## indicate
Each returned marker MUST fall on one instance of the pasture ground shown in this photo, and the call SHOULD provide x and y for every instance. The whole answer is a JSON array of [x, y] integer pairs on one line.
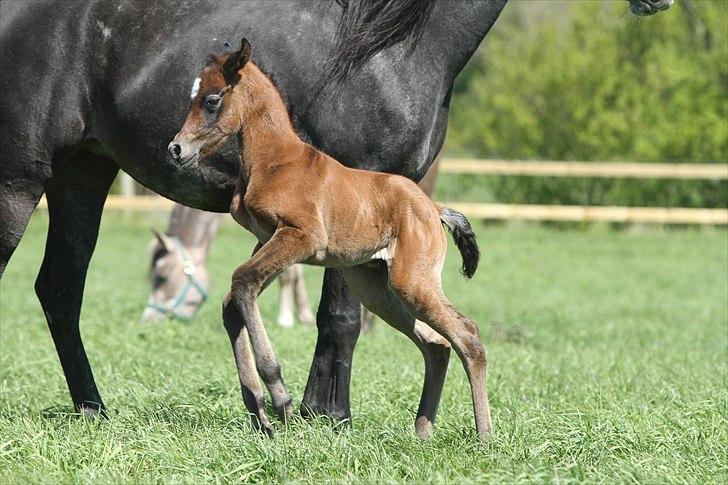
[[607, 350]]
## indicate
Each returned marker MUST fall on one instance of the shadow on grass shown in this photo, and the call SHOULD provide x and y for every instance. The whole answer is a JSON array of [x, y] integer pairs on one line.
[[514, 334]]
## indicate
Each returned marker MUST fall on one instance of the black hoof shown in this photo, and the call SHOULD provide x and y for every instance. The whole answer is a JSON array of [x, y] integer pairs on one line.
[[331, 411]]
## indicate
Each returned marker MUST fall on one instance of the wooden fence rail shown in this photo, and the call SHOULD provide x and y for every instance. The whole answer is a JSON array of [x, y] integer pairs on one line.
[[533, 212], [704, 171]]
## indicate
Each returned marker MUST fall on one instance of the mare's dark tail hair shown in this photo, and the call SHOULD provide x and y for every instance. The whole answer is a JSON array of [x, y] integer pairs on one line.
[[369, 26], [464, 237]]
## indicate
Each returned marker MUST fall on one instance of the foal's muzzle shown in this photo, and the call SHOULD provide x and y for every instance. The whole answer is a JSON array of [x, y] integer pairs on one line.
[[175, 150], [182, 152]]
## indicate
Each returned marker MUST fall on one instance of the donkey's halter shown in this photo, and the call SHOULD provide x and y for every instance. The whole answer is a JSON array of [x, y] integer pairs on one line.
[[189, 268]]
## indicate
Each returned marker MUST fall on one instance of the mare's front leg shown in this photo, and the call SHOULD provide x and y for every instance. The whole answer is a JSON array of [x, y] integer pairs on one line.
[[339, 321], [286, 247], [76, 196]]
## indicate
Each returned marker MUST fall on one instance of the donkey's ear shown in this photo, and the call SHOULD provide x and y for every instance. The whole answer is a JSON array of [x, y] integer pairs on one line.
[[235, 62], [164, 240]]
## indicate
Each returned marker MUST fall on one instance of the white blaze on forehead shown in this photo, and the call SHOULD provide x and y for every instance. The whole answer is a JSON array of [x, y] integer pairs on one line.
[[195, 88]]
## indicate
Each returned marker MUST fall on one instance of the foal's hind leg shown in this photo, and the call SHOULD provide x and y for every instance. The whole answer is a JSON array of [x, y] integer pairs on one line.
[[369, 283], [421, 293]]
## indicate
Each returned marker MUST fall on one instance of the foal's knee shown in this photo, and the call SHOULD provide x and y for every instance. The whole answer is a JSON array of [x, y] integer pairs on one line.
[[246, 283]]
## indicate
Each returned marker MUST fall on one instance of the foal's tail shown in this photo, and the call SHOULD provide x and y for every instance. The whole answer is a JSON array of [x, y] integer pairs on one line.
[[464, 237]]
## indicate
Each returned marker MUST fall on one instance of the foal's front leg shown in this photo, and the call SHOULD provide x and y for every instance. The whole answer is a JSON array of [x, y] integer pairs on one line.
[[249, 383], [286, 247]]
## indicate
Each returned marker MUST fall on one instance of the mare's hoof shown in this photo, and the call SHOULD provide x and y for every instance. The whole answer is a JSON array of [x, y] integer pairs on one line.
[[424, 428], [332, 412], [92, 411]]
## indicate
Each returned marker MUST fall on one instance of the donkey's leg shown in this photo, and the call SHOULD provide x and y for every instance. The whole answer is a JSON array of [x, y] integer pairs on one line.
[[422, 297], [285, 302], [300, 295], [286, 247], [249, 383], [338, 321], [76, 196], [369, 282]]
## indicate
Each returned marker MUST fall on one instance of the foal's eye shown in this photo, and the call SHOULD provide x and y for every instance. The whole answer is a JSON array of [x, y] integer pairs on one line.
[[211, 103]]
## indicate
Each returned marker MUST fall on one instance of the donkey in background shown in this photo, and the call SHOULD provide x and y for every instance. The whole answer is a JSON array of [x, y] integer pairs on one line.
[[305, 207], [179, 277]]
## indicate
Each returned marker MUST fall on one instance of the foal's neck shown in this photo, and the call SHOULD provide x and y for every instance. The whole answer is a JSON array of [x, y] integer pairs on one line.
[[266, 133]]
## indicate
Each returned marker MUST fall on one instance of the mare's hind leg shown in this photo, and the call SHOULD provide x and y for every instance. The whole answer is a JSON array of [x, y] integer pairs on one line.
[[369, 283], [414, 277], [76, 196], [338, 322]]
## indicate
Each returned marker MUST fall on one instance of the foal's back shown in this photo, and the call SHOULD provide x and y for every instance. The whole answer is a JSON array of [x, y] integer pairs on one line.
[[363, 208]]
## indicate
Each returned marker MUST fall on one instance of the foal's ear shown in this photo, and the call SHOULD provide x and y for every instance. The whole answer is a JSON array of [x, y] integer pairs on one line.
[[235, 62]]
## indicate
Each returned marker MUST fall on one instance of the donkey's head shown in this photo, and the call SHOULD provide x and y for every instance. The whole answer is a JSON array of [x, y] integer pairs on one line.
[[179, 281], [649, 7], [211, 121]]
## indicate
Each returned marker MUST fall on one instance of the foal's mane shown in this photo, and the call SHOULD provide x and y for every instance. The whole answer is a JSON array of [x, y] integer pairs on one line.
[[367, 27]]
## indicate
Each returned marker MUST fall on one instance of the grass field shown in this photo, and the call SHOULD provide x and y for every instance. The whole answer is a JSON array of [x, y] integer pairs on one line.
[[607, 350]]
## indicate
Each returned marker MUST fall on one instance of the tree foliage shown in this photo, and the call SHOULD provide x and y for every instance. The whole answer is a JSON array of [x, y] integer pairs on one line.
[[588, 81]]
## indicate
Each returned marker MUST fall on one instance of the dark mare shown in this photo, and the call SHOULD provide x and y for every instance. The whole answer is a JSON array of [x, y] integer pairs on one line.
[[92, 86]]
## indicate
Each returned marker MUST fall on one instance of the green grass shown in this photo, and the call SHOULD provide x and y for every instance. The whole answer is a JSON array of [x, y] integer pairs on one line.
[[607, 356]]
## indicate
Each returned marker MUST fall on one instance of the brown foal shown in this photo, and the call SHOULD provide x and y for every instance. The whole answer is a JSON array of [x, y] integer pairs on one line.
[[305, 207]]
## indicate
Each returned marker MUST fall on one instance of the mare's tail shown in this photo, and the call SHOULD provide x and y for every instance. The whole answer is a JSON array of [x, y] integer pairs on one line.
[[464, 237]]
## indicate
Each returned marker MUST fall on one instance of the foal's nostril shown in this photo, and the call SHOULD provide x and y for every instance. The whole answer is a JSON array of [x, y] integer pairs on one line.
[[175, 150]]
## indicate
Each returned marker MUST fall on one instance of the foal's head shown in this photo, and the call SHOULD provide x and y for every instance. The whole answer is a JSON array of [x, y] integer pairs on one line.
[[212, 119]]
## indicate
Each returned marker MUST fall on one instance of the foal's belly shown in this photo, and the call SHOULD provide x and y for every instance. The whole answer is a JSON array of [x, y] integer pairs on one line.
[[339, 260]]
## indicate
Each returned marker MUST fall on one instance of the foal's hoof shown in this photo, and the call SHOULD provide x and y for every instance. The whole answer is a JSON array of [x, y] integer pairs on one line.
[[263, 426], [284, 410]]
